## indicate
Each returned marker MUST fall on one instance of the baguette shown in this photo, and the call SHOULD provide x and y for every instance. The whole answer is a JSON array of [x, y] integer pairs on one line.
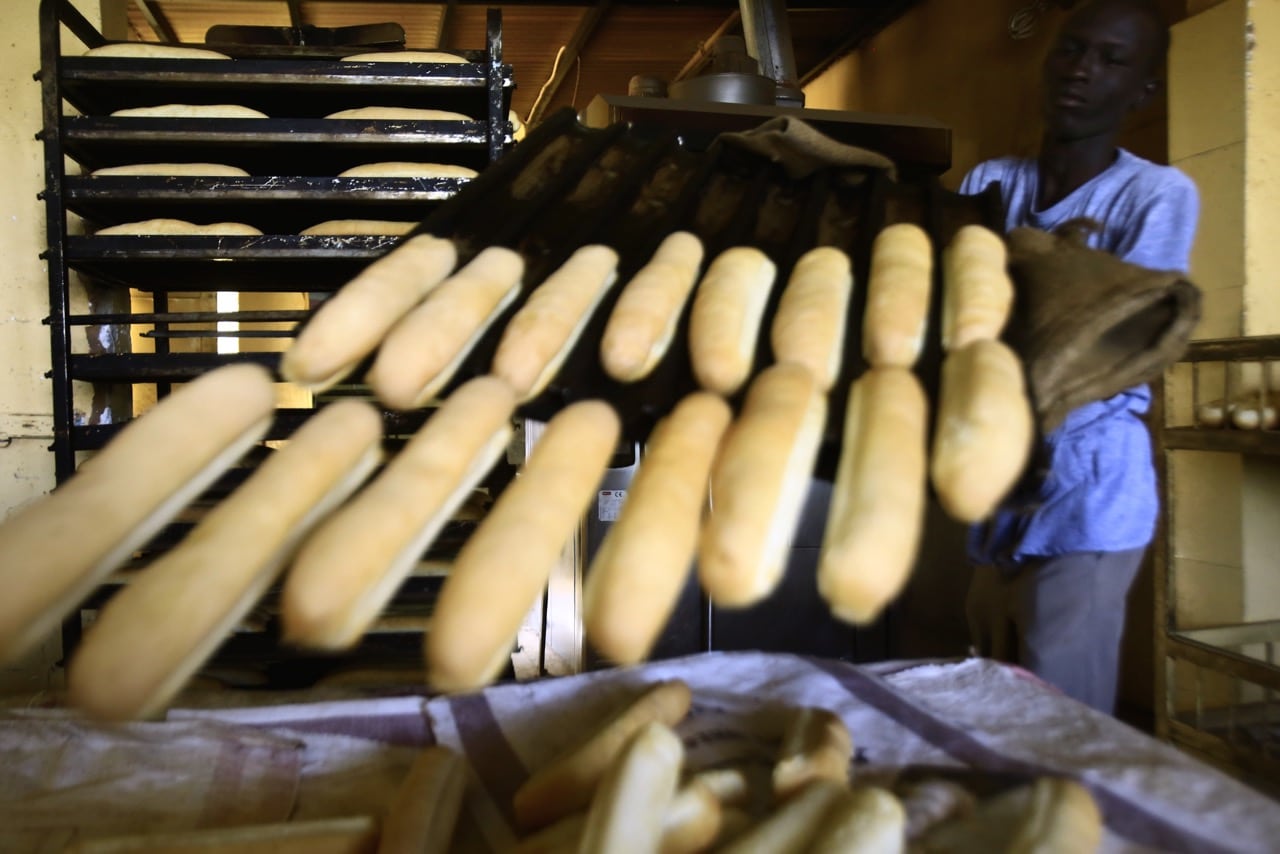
[[191, 111], [178, 228], [505, 565], [354, 835], [692, 821], [564, 835], [350, 324], [725, 320], [730, 786], [868, 820], [156, 632], [877, 505], [638, 573], [545, 329], [758, 486], [898, 286], [792, 826], [1062, 818], [977, 293], [169, 169], [629, 808], [984, 429], [644, 319], [815, 745], [50, 559], [351, 227], [566, 785], [147, 50], [809, 325], [425, 811], [424, 350], [348, 570]]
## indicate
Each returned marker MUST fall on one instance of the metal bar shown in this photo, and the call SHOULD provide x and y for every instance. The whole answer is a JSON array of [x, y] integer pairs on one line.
[[444, 33], [77, 23], [279, 316], [1227, 349], [297, 18], [496, 125], [1161, 557], [220, 333], [581, 36], [157, 21], [703, 53]]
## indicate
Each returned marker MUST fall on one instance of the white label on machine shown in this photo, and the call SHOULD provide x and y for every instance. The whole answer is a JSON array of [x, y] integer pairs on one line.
[[609, 504]]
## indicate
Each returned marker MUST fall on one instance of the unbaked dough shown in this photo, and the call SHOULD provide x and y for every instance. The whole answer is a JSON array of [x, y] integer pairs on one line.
[[178, 227], [191, 111], [412, 113], [342, 227], [403, 169], [168, 169], [148, 50], [406, 56]]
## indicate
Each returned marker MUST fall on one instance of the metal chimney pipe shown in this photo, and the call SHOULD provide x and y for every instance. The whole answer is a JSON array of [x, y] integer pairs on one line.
[[767, 32]]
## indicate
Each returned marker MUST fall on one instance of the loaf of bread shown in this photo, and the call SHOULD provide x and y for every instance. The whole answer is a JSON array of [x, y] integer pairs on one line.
[[59, 548], [867, 820], [644, 319], [815, 745], [415, 114], [157, 631], [877, 502], [758, 485], [567, 783], [725, 320], [350, 324], [504, 566], [693, 820], [547, 327], [348, 570], [631, 803], [636, 576], [427, 804], [984, 429], [809, 325], [191, 111], [425, 349], [977, 293], [171, 169], [898, 288]]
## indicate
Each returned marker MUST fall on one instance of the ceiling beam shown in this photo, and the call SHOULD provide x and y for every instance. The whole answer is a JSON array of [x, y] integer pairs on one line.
[[703, 53], [296, 18], [157, 21], [581, 36], [875, 21]]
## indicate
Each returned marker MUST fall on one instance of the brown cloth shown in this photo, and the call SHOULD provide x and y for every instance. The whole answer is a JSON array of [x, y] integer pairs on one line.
[[1089, 325], [802, 150]]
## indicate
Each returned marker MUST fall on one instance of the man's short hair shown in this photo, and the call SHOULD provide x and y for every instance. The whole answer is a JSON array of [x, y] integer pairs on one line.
[[1155, 16]]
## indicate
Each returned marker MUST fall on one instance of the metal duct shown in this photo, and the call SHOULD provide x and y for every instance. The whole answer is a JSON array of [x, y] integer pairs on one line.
[[768, 34]]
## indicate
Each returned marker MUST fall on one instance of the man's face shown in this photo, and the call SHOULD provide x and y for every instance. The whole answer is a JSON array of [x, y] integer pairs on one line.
[[1098, 71]]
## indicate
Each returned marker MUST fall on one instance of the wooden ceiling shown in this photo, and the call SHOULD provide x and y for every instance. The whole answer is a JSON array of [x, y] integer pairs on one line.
[[619, 39]]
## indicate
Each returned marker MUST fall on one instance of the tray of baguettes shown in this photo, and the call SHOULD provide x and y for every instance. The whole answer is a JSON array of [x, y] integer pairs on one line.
[[756, 314]]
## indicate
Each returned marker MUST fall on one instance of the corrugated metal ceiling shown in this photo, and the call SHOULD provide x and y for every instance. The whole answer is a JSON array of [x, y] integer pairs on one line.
[[655, 40]]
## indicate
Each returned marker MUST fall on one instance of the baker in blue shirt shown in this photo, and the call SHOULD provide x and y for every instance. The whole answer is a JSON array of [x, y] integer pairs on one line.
[[1050, 583]]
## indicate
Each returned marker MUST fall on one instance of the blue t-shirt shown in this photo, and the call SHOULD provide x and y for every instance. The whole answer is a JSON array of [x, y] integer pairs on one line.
[[1100, 494]]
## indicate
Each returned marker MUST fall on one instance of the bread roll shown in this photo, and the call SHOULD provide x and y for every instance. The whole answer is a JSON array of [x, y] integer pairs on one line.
[[692, 821], [809, 325], [726, 315], [191, 111], [730, 786], [348, 570], [170, 169], [177, 227], [815, 745], [406, 56], [342, 227], [637, 574], [545, 329], [792, 826], [425, 349], [1062, 818], [631, 804], [156, 632], [145, 50], [426, 808], [977, 293], [401, 169], [758, 486], [868, 820], [644, 319], [898, 286], [567, 784], [400, 114], [504, 566], [984, 429], [877, 503], [350, 324], [54, 552]]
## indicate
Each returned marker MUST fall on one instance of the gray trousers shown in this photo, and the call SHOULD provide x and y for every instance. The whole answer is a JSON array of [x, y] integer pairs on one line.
[[1062, 618]]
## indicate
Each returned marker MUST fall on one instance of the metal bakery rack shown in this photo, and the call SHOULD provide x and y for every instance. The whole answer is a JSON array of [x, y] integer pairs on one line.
[[292, 159]]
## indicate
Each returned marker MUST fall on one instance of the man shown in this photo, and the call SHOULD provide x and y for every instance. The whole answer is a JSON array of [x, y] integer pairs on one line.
[[1059, 573]]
